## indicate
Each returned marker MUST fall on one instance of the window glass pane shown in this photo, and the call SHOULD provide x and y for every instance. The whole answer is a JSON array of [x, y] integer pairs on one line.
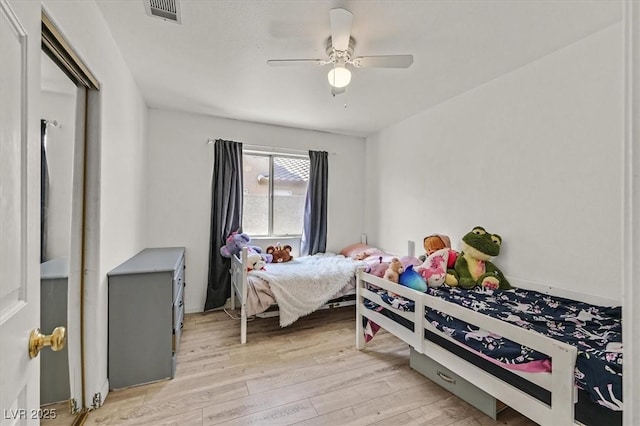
[[255, 209], [289, 191]]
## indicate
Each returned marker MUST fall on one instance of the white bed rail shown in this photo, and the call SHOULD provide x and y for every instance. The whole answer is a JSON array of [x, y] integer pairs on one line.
[[562, 387], [238, 273]]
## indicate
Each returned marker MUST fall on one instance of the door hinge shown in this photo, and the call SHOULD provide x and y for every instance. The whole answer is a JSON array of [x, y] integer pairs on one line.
[[97, 401], [73, 406]]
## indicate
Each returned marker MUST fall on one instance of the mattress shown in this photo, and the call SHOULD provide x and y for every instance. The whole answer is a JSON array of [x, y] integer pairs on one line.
[[592, 361]]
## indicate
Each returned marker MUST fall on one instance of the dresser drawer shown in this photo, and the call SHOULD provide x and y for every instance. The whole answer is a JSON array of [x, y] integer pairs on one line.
[[456, 384], [177, 328], [180, 268], [178, 284], [178, 308]]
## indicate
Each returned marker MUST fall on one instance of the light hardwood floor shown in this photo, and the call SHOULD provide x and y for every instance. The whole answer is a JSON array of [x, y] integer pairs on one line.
[[308, 374], [61, 415]]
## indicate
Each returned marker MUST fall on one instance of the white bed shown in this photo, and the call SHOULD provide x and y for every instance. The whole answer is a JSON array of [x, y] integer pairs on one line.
[[559, 382], [321, 281]]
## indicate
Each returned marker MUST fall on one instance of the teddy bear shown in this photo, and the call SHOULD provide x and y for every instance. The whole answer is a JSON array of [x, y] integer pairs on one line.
[[435, 242], [279, 253], [393, 271], [473, 266]]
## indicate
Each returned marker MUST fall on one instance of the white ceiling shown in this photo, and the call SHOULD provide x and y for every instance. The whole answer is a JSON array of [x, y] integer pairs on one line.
[[214, 63]]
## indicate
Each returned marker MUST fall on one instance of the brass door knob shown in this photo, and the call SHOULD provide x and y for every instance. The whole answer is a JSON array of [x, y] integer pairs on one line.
[[37, 341]]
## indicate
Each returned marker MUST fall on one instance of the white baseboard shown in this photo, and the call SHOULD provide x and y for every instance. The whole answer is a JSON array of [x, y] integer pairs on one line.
[[193, 309]]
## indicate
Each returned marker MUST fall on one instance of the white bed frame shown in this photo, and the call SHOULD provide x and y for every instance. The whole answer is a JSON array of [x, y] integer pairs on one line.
[[239, 286], [560, 382]]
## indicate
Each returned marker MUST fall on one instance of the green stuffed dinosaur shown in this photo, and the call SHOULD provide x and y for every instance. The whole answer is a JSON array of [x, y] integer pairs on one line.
[[473, 267]]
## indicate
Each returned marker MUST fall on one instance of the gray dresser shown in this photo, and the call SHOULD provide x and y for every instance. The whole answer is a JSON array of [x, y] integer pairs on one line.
[[146, 311]]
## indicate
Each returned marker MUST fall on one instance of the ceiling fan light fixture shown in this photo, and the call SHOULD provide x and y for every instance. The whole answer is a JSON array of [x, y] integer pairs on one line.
[[339, 76], [339, 48]]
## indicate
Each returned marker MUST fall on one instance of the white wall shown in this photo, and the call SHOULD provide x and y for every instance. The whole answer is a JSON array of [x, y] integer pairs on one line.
[[180, 165], [122, 138], [534, 155]]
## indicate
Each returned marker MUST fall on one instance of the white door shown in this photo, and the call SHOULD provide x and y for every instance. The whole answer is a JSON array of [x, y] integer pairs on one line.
[[19, 230]]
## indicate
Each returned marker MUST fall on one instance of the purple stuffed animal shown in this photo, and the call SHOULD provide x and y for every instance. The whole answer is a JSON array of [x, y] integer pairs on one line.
[[236, 241]]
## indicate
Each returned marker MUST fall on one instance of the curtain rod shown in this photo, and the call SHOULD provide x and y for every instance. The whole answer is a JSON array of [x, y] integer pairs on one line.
[[271, 148]]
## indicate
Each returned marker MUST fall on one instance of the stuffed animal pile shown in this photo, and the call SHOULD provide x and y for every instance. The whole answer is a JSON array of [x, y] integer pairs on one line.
[[436, 242], [442, 265], [437, 259]]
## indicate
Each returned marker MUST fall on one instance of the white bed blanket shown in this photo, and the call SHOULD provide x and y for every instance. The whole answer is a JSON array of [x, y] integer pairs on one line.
[[306, 283]]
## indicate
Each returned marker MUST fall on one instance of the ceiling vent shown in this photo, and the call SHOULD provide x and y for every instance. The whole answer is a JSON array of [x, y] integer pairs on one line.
[[169, 10]]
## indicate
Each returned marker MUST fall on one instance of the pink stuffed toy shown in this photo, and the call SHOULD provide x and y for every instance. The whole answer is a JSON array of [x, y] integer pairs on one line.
[[434, 268]]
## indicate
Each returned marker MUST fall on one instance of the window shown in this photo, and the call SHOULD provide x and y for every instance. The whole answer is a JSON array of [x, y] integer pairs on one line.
[[274, 207]]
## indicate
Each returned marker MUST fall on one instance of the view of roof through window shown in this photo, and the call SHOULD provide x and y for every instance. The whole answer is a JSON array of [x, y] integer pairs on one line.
[[274, 208], [291, 169]]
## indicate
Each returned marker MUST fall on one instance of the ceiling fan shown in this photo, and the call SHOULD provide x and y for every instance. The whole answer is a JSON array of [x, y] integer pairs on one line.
[[339, 47]]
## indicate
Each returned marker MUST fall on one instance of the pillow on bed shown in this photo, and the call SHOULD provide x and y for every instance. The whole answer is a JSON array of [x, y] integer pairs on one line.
[[354, 249], [410, 260], [434, 268]]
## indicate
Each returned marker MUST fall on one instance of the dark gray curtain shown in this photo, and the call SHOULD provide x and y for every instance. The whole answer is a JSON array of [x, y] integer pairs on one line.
[[44, 191], [226, 217], [314, 233]]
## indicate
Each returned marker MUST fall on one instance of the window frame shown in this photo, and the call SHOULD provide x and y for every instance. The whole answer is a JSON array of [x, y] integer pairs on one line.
[[271, 155]]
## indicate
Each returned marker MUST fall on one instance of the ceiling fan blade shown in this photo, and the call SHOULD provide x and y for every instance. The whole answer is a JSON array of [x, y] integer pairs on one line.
[[385, 61], [341, 20], [295, 62]]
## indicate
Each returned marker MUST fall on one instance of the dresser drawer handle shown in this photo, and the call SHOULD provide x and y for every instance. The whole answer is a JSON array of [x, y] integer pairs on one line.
[[176, 329], [446, 378]]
